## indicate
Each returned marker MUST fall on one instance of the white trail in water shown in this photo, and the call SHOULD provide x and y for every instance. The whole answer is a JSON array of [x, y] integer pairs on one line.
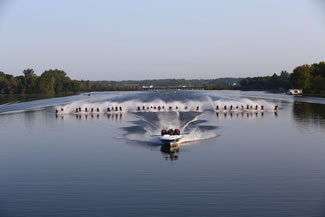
[[198, 135], [268, 107], [177, 106], [165, 119]]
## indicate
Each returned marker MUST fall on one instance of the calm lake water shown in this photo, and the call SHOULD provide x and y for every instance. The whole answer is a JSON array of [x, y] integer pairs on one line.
[[231, 163]]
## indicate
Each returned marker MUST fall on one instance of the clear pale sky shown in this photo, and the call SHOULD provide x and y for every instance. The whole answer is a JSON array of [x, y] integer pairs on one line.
[[148, 39]]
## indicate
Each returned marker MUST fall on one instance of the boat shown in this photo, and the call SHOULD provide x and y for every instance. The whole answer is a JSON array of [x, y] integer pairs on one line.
[[170, 140], [170, 137], [295, 92]]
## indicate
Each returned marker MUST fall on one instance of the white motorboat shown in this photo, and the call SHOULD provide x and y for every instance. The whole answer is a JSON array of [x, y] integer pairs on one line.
[[170, 139]]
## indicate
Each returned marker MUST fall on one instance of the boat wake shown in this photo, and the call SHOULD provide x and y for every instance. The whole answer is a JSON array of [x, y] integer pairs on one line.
[[157, 114], [149, 126], [160, 106]]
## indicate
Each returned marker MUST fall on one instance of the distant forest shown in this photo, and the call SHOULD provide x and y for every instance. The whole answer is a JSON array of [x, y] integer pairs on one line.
[[57, 82], [208, 84], [52, 82], [310, 78]]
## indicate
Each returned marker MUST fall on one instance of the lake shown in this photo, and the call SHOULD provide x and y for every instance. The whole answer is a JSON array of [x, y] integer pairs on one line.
[[230, 162]]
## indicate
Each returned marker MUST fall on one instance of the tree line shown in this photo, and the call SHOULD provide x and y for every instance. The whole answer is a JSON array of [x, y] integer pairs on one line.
[[219, 83], [52, 82], [310, 78], [57, 82]]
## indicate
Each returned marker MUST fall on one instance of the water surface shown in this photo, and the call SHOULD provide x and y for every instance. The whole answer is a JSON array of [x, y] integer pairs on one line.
[[100, 164]]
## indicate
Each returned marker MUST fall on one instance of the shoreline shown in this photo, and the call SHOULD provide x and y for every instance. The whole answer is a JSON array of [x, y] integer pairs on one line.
[[13, 98]]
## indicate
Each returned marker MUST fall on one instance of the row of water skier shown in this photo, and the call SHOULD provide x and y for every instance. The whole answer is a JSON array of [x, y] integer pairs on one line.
[[170, 108], [92, 110], [160, 108], [244, 108]]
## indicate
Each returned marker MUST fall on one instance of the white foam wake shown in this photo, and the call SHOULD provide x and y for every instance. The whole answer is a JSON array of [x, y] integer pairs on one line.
[[162, 106]]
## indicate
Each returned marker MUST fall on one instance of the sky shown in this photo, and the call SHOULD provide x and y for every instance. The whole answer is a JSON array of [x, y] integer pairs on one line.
[[148, 39]]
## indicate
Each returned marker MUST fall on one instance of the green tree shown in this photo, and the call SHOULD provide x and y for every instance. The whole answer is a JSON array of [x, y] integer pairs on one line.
[[29, 81], [301, 77], [54, 81]]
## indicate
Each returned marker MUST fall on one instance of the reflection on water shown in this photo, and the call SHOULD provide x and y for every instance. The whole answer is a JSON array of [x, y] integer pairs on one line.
[[309, 115], [170, 152], [117, 116], [145, 130], [14, 98], [247, 115], [242, 164]]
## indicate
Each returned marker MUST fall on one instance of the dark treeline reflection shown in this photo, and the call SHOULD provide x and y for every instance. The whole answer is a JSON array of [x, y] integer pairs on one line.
[[13, 98], [309, 114]]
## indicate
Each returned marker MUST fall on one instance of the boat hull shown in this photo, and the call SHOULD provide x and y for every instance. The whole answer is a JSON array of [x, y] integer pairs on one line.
[[170, 139]]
